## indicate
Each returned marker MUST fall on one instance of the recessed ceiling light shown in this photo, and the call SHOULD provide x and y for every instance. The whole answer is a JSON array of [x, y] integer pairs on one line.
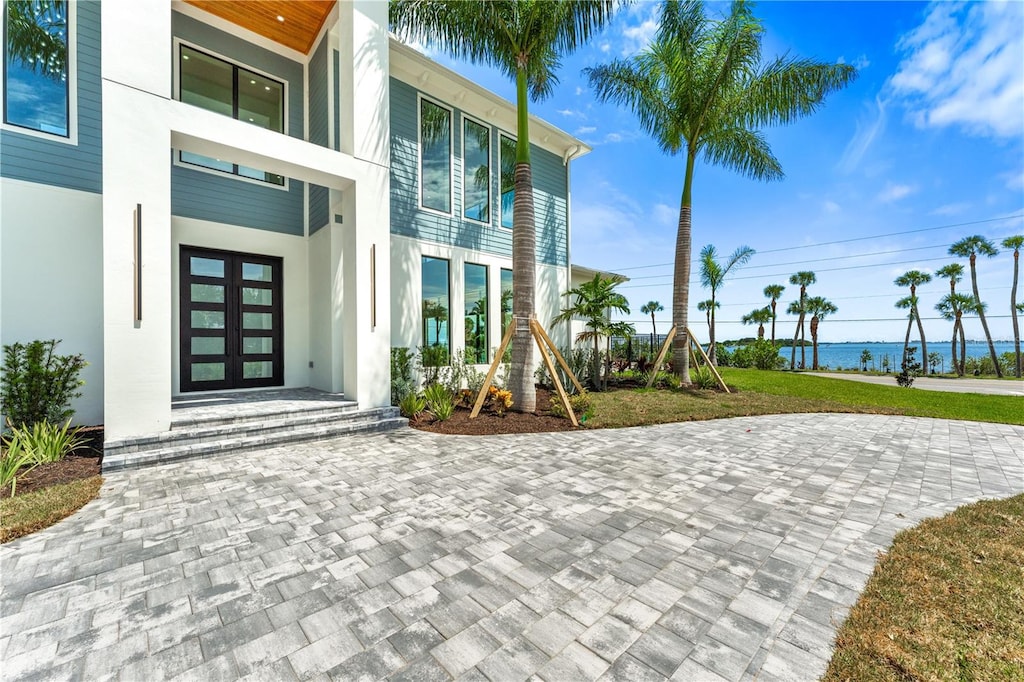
[[266, 87], [280, 18], [184, 56], [252, 82], [250, 119]]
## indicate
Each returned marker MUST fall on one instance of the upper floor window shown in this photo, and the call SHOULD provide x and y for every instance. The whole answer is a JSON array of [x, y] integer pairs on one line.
[[36, 92], [476, 171], [435, 157], [507, 152], [217, 85]]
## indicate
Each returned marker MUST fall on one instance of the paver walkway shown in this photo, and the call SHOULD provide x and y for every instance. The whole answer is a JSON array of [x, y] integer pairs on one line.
[[961, 385], [702, 551]]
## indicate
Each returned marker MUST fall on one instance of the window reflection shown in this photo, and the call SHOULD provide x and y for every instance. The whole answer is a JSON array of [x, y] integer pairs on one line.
[[435, 156], [507, 150], [436, 339], [476, 313], [506, 299], [36, 65], [476, 171]]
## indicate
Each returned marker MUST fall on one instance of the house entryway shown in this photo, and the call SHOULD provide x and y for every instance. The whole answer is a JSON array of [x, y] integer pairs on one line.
[[232, 320]]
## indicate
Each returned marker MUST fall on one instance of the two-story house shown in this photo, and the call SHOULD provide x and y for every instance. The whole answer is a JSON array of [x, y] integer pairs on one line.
[[225, 196]]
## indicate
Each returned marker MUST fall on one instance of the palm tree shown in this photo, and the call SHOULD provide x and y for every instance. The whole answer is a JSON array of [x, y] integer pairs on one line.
[[594, 302], [700, 88], [819, 307], [760, 317], [1015, 242], [865, 358], [650, 308], [525, 39], [970, 247], [913, 279], [804, 278], [774, 292], [952, 307], [954, 272], [36, 36], [712, 276], [705, 307], [907, 303]]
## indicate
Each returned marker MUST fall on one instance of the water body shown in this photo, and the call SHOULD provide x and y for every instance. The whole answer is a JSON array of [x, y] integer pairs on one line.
[[847, 355]]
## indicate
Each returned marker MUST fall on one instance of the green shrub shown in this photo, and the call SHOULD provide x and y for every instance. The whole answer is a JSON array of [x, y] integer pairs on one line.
[[44, 441], [760, 354], [12, 458], [431, 360], [702, 377], [411, 405], [440, 401], [402, 382], [37, 384], [580, 404]]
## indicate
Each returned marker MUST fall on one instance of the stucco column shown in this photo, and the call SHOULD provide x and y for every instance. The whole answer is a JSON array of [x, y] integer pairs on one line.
[[136, 170]]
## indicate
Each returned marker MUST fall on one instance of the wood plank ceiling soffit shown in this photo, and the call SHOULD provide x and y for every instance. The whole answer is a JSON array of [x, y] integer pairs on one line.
[[301, 25]]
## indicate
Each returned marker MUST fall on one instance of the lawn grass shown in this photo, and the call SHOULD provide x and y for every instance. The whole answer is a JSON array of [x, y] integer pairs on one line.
[[866, 397], [24, 514], [944, 603]]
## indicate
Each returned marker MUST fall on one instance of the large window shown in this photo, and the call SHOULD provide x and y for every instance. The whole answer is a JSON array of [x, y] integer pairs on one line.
[[436, 339], [506, 299], [217, 85], [435, 157], [36, 92], [507, 148], [476, 171], [476, 313]]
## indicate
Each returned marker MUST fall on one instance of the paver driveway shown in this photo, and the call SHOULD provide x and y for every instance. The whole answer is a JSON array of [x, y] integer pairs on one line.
[[694, 551]]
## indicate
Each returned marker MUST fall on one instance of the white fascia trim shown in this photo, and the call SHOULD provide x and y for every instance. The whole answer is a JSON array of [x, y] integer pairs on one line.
[[419, 155], [490, 157], [72, 137]]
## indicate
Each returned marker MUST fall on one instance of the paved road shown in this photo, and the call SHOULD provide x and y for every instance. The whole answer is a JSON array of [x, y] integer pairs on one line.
[[701, 551], [965, 385]]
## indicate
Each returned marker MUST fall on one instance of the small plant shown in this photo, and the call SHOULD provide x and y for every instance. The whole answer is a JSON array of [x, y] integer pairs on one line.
[[412, 405], [703, 378], [580, 404], [910, 368], [500, 399], [440, 401], [431, 360], [45, 442], [402, 382], [37, 384], [12, 459]]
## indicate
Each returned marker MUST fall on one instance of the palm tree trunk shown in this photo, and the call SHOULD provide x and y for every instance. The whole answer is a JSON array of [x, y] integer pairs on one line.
[[760, 332], [796, 337], [952, 352], [596, 383], [924, 344], [773, 321], [814, 342], [681, 278], [524, 262], [1013, 314], [803, 343], [963, 348], [981, 316], [712, 356], [906, 341]]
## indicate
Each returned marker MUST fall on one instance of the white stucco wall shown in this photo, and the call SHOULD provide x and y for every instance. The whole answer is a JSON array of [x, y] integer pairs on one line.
[[294, 254], [407, 293], [51, 284]]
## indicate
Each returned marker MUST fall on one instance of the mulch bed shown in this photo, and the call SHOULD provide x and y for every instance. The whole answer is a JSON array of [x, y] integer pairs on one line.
[[487, 424], [84, 462]]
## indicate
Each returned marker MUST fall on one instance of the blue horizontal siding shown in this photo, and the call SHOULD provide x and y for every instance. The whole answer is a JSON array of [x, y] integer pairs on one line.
[[223, 198], [75, 166], [550, 189]]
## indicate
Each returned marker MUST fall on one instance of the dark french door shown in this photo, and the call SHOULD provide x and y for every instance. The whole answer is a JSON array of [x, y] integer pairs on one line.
[[231, 320]]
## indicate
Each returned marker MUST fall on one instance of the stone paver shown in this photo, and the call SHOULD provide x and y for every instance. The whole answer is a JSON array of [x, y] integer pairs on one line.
[[946, 385], [715, 550]]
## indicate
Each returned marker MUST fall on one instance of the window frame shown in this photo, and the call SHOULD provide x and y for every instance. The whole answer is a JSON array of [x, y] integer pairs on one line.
[[514, 142], [420, 98], [236, 65], [423, 299], [72, 83], [469, 119], [487, 304]]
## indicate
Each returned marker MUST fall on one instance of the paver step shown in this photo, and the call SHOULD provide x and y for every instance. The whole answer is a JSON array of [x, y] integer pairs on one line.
[[186, 432], [195, 450], [189, 418]]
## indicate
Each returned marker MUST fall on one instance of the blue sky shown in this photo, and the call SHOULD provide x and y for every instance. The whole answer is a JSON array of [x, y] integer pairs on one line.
[[926, 147]]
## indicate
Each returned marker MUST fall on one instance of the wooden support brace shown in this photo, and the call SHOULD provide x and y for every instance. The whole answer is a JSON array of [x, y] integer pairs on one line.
[[661, 357], [707, 360], [554, 375], [493, 370], [558, 356]]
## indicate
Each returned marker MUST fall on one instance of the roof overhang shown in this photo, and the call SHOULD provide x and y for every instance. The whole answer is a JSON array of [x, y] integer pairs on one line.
[[426, 75], [580, 272]]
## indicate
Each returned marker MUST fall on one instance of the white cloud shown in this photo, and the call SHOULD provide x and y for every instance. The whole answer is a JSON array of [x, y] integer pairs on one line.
[[893, 193], [585, 130], [664, 215], [963, 67], [831, 207], [1014, 180], [869, 127], [642, 24], [951, 209], [579, 90], [569, 112], [859, 62], [605, 47], [613, 137]]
